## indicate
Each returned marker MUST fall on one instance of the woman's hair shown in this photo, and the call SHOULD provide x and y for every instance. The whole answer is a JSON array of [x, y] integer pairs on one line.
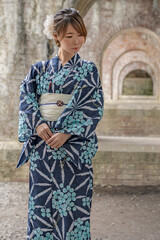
[[58, 23]]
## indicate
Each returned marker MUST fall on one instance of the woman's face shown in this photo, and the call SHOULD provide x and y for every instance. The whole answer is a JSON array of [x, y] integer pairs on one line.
[[72, 41]]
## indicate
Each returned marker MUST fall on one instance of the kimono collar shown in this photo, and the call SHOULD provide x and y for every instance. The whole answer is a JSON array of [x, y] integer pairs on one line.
[[71, 63]]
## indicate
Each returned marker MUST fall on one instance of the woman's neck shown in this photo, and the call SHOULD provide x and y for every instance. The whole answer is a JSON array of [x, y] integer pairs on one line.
[[64, 56]]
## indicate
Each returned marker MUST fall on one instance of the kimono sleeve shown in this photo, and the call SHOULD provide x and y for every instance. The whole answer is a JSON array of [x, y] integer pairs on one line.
[[29, 113], [85, 109]]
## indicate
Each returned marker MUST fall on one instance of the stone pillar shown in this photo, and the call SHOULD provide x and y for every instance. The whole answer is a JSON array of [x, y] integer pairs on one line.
[[22, 43]]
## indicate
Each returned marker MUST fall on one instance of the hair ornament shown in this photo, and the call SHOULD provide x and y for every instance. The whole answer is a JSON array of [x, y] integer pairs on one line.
[[48, 26]]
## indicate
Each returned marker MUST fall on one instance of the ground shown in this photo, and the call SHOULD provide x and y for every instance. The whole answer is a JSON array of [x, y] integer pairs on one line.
[[118, 213]]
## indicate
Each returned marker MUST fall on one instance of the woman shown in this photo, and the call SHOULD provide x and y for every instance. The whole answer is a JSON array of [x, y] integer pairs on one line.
[[61, 141]]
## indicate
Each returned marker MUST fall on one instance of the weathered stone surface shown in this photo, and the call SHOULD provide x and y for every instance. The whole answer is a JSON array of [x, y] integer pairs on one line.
[[9, 155], [126, 168], [130, 120]]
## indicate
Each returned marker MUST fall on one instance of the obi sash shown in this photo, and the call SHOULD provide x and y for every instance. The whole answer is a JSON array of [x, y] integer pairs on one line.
[[51, 105]]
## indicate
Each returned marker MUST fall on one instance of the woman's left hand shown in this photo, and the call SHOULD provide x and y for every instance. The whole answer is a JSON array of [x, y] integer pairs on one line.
[[58, 139]]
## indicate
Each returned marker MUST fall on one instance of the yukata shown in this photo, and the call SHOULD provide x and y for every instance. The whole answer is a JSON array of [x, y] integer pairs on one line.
[[60, 180]]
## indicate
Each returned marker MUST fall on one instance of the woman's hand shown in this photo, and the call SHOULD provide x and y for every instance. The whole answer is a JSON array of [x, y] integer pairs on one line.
[[58, 139], [44, 131]]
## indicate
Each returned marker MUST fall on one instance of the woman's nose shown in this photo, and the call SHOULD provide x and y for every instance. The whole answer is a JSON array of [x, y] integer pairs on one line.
[[76, 40]]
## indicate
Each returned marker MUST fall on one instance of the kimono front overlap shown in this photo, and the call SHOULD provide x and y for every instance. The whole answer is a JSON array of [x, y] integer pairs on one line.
[[60, 180], [80, 116]]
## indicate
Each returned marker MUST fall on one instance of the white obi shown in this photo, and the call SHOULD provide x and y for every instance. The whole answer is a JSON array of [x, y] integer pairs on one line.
[[51, 105]]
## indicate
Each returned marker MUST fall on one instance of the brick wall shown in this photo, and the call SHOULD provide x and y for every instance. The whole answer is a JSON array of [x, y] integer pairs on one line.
[[120, 121], [126, 168], [110, 166]]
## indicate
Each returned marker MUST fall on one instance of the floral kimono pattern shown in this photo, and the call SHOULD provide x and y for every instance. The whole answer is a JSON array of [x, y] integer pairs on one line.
[[60, 180]]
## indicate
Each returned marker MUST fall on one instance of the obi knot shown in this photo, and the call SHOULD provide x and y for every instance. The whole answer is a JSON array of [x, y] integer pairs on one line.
[[60, 103]]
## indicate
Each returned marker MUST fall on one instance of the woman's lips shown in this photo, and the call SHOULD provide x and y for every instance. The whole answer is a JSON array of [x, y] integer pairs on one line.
[[76, 48]]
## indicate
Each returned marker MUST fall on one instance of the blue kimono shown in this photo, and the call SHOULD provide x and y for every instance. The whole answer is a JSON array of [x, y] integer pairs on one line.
[[60, 180]]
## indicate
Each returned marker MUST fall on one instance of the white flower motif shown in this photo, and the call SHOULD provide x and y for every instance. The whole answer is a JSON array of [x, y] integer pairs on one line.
[[48, 24]]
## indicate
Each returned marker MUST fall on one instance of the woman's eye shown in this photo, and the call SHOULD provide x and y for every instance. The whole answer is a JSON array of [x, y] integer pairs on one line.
[[69, 37]]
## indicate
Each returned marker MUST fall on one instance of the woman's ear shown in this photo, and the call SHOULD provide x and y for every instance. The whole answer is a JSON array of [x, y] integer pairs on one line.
[[55, 36], [56, 39]]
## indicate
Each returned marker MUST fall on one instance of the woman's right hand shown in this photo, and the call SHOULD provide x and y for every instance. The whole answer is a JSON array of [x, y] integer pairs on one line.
[[44, 131]]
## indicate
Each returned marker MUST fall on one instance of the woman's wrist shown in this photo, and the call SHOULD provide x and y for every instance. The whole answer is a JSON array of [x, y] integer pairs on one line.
[[68, 135]]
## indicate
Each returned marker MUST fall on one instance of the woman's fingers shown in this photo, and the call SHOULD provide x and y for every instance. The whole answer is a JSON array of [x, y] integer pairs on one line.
[[50, 134], [49, 141], [44, 131], [53, 142], [56, 146], [45, 137], [57, 140], [47, 132]]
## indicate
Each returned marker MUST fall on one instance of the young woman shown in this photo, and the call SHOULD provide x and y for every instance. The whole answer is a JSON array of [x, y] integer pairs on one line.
[[61, 103]]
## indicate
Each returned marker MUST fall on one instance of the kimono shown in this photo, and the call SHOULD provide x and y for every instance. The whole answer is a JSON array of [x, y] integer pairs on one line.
[[60, 180]]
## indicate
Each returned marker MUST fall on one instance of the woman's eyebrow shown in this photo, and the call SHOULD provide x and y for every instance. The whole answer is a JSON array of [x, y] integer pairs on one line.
[[69, 33]]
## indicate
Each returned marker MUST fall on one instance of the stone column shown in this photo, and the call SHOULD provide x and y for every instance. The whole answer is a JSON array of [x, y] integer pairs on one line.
[[22, 43]]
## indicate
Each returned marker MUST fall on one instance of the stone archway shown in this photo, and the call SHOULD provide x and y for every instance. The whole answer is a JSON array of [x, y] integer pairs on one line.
[[83, 6], [125, 48]]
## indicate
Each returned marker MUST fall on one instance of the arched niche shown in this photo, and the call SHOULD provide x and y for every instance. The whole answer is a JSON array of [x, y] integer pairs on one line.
[[137, 83], [131, 67], [121, 67], [127, 47]]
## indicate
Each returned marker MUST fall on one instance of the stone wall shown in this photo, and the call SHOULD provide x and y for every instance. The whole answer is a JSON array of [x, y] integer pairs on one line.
[[121, 120], [124, 36], [126, 168], [22, 44]]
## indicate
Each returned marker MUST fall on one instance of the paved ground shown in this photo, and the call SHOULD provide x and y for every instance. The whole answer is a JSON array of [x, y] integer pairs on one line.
[[118, 213]]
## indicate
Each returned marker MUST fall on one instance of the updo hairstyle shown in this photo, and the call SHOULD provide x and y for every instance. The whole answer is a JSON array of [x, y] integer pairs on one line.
[[58, 23]]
